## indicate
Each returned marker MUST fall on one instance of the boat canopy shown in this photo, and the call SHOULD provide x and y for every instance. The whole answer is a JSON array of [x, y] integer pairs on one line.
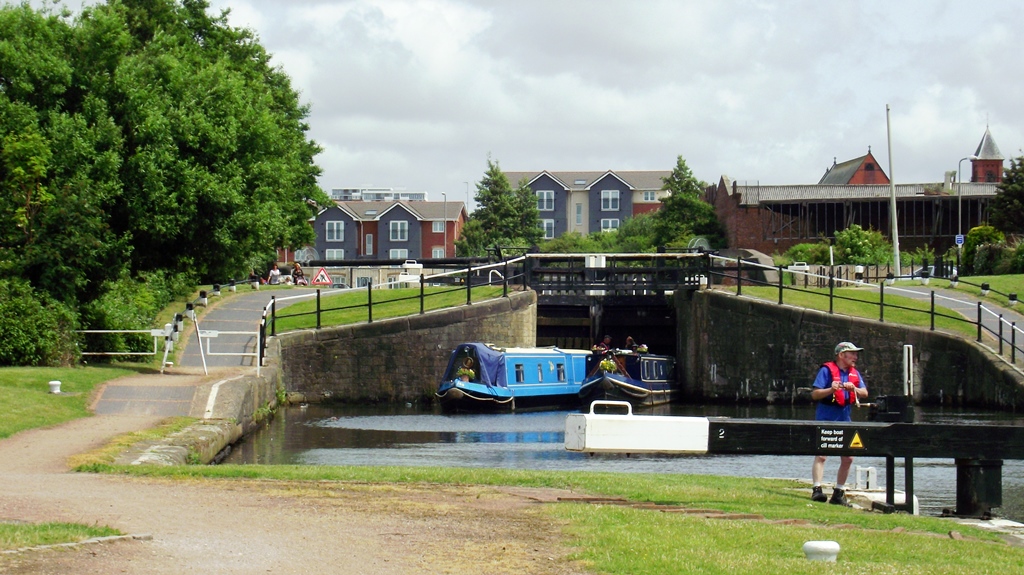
[[489, 363]]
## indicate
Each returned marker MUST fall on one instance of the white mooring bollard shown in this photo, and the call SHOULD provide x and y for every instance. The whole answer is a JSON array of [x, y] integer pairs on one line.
[[821, 550], [55, 386]]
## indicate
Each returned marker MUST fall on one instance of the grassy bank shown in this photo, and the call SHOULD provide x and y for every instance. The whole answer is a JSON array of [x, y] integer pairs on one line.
[[663, 539], [28, 403], [18, 535]]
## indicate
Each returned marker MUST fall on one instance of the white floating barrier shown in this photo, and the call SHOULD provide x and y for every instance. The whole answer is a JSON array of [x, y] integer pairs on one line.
[[616, 433]]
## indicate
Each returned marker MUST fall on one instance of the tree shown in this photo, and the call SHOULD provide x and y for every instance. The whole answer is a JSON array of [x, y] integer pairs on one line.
[[504, 216], [684, 214], [1008, 205], [145, 135]]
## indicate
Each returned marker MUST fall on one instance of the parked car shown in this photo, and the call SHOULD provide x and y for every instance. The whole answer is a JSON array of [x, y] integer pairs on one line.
[[799, 267], [340, 284]]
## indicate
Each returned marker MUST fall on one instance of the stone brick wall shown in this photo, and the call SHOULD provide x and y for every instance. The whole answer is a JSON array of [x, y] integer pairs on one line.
[[738, 349], [398, 360]]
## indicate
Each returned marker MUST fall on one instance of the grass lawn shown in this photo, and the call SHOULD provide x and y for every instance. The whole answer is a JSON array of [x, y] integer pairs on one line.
[[864, 302], [621, 539], [349, 306]]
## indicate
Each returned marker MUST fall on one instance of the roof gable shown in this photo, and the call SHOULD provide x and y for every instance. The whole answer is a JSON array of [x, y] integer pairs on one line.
[[987, 148], [862, 170]]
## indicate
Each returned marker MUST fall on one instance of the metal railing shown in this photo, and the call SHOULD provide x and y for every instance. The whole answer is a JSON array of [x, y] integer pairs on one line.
[[988, 319], [464, 280]]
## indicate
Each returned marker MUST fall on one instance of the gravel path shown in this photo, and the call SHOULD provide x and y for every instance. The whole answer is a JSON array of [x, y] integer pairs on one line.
[[243, 526]]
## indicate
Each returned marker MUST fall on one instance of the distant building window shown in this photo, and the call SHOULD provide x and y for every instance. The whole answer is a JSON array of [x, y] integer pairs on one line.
[[334, 254], [369, 245], [335, 231], [609, 200], [399, 231], [650, 196], [579, 214], [990, 176], [438, 227], [869, 167], [608, 225], [579, 182], [363, 281], [437, 252], [549, 228], [398, 254], [545, 200]]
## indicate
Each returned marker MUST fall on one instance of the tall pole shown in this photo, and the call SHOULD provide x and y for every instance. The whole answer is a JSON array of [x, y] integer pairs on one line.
[[444, 197], [959, 198], [467, 196], [892, 200]]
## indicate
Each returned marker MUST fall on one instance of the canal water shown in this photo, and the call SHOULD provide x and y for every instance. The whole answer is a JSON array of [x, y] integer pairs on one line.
[[416, 436]]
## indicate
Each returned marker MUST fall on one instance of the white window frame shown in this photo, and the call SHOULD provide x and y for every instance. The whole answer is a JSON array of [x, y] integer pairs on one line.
[[610, 200], [437, 252], [579, 214], [333, 254], [549, 229], [398, 254], [609, 224], [334, 231], [438, 227], [399, 231], [546, 200], [369, 245], [650, 196]]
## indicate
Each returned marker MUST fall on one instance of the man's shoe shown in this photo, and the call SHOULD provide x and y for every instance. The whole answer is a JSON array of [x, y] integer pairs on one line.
[[817, 495], [839, 498]]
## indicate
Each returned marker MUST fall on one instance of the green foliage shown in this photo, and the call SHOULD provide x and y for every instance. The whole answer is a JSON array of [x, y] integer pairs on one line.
[[34, 329], [127, 303], [815, 254], [504, 216], [855, 245], [1007, 208], [145, 135], [977, 237], [684, 214]]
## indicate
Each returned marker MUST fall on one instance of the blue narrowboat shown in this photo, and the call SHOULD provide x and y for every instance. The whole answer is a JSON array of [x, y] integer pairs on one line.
[[640, 378], [484, 377]]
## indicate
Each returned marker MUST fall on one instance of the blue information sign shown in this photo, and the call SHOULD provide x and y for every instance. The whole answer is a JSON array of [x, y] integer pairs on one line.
[[959, 239]]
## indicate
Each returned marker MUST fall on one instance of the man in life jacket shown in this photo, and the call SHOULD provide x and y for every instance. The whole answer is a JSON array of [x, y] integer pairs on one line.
[[837, 387]]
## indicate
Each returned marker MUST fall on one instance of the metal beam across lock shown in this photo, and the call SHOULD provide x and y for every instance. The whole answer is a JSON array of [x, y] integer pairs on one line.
[[967, 444]]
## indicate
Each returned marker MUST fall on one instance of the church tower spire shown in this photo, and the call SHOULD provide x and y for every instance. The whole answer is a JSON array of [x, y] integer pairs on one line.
[[987, 165]]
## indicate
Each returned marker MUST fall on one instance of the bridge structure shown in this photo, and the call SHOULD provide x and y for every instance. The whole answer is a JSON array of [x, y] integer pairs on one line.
[[582, 297]]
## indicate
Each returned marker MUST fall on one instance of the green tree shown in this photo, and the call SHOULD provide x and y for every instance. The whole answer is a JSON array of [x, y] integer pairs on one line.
[[684, 213], [1008, 205], [504, 216]]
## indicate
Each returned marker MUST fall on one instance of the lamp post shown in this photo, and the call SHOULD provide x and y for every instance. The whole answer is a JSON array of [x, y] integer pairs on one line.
[[960, 198], [444, 198], [467, 196]]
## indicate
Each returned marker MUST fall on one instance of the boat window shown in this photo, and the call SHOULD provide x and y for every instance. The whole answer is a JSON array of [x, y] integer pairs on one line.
[[520, 373], [561, 372], [540, 372]]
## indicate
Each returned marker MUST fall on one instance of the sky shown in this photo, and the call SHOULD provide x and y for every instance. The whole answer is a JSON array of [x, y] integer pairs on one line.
[[418, 94]]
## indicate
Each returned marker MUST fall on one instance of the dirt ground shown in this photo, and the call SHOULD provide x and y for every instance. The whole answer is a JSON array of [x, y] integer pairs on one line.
[[244, 526]]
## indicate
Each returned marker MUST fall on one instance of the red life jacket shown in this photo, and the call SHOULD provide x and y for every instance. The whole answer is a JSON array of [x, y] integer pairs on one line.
[[843, 396]]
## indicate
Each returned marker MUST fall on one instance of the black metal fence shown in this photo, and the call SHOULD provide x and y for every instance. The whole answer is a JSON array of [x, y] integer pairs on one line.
[[1006, 333]]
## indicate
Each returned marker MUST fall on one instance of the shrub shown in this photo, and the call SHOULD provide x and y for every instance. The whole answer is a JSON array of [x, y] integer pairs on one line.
[[810, 253], [35, 330], [128, 303], [855, 245], [977, 237]]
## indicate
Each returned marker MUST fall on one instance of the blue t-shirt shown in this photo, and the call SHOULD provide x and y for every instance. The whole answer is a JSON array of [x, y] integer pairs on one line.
[[828, 410]]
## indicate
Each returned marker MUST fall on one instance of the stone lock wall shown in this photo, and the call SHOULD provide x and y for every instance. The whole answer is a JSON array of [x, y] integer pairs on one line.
[[398, 360], [739, 349]]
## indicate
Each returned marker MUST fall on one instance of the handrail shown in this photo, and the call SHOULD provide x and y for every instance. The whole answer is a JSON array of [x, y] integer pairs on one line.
[[998, 333]]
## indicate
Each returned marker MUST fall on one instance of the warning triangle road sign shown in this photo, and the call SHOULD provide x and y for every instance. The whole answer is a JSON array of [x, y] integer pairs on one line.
[[322, 278]]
